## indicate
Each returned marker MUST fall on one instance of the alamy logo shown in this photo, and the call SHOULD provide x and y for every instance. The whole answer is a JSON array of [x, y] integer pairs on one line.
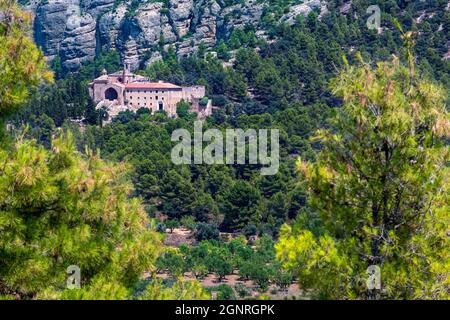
[[237, 141], [373, 281], [374, 21], [74, 278], [73, 13]]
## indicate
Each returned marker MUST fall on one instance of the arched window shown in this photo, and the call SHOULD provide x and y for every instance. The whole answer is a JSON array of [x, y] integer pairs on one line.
[[111, 94]]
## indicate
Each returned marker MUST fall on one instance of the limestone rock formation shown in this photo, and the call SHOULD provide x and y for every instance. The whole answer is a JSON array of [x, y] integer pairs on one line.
[[181, 13], [76, 30], [302, 9]]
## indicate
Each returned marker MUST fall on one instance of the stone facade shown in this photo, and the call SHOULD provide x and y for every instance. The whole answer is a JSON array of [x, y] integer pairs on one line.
[[124, 90]]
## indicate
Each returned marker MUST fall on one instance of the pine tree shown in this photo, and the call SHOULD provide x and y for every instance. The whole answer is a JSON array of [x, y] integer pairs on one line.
[[62, 211], [22, 64], [380, 186], [59, 209]]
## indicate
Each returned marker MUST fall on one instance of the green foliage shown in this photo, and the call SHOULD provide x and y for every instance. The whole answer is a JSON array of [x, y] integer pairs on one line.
[[23, 64], [223, 51], [172, 224], [76, 210], [188, 222], [219, 263], [249, 230], [203, 101], [224, 292], [178, 193], [180, 290], [183, 110], [68, 97], [279, 84], [61, 208], [241, 290], [227, 196], [256, 263], [173, 262], [283, 279], [204, 231], [204, 208], [380, 186], [42, 127], [239, 205]]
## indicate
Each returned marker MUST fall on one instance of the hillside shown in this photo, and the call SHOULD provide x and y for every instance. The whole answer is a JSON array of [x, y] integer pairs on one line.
[[356, 208], [77, 30]]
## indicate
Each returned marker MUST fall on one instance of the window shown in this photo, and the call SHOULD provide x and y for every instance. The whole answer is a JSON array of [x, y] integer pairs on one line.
[[156, 92], [156, 98], [160, 106], [162, 98]]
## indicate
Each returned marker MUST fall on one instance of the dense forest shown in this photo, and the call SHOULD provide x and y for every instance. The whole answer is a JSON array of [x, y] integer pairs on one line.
[[353, 188]]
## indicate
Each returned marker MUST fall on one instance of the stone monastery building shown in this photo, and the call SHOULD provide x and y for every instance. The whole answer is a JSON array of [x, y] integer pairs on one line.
[[124, 90]]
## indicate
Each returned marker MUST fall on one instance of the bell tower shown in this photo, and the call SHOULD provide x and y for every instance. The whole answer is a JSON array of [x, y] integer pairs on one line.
[[126, 73]]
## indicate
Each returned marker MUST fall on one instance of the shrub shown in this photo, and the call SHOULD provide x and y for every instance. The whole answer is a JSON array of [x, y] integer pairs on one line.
[[188, 222], [203, 101], [173, 262], [220, 264], [172, 224], [241, 290], [225, 292], [249, 230], [205, 231], [200, 271], [283, 279], [183, 109], [219, 100], [161, 227]]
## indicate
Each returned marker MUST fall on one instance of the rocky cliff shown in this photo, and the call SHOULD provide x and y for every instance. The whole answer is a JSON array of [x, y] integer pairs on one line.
[[75, 30]]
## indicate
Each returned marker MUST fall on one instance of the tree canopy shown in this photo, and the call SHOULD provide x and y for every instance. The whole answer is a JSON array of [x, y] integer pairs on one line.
[[380, 186]]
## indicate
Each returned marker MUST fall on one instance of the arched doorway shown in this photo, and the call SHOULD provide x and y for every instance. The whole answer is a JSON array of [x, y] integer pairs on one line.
[[111, 94]]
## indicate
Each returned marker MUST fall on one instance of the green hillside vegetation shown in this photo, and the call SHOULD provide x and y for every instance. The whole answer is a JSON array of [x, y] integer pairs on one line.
[[60, 208], [363, 178]]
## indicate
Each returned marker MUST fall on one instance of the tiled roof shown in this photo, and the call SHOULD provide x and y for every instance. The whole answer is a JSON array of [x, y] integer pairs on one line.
[[151, 85]]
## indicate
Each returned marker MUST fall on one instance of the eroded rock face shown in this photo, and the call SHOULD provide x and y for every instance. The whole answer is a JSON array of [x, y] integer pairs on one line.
[[97, 7], [302, 9], [63, 29], [75, 30], [109, 25], [79, 44], [181, 14]]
